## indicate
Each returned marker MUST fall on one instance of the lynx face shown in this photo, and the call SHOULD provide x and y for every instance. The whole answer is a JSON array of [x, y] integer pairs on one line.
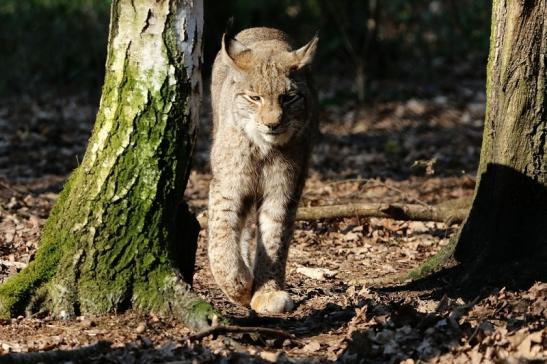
[[271, 97], [272, 114]]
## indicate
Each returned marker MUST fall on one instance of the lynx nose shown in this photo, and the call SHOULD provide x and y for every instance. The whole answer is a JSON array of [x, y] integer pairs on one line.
[[272, 119], [273, 127]]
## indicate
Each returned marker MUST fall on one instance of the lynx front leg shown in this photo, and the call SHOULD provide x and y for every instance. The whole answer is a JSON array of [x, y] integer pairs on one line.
[[226, 210], [248, 238], [275, 221]]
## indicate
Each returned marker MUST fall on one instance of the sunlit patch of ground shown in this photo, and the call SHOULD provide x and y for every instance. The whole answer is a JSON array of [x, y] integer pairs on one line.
[[366, 155]]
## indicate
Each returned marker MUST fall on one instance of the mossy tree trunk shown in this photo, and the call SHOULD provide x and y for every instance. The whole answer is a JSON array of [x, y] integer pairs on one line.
[[507, 223], [120, 234]]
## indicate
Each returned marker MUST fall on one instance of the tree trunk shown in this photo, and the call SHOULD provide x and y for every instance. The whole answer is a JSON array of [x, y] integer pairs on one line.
[[120, 234], [508, 219]]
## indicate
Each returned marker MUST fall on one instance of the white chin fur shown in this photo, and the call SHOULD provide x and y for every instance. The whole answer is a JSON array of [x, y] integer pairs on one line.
[[277, 139], [266, 141]]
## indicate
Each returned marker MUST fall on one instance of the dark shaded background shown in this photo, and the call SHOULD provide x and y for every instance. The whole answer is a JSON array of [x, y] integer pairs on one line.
[[399, 81], [416, 47]]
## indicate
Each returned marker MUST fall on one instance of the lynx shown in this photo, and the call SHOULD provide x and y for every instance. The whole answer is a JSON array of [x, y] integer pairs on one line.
[[265, 119]]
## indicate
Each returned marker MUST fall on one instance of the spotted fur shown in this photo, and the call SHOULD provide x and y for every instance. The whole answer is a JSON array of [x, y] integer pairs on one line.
[[265, 119]]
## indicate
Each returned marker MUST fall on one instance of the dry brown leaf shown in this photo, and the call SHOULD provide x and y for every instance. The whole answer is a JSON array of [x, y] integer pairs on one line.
[[312, 346], [270, 356], [524, 349]]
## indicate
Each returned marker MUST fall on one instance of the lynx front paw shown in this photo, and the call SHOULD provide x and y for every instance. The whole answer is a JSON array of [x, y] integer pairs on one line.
[[272, 302], [238, 286], [239, 290]]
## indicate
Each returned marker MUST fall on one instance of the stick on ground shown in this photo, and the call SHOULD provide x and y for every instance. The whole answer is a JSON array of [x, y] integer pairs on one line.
[[57, 356], [223, 329], [410, 212]]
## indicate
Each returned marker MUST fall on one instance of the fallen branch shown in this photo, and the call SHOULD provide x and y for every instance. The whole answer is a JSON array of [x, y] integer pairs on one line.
[[57, 356], [409, 212], [394, 211], [224, 329]]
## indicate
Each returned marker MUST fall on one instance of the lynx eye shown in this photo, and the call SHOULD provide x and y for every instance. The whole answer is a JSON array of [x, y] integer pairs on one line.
[[288, 98], [254, 98]]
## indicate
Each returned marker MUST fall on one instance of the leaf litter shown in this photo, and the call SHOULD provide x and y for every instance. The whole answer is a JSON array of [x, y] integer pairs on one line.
[[416, 151]]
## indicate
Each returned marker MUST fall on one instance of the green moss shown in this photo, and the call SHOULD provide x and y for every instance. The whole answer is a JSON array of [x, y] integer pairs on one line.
[[486, 138], [436, 262], [203, 312], [148, 260]]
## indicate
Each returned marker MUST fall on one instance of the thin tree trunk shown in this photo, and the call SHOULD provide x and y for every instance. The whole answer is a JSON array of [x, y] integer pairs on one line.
[[508, 218], [120, 235]]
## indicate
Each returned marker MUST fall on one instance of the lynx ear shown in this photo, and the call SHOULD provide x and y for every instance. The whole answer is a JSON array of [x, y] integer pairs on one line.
[[304, 56], [235, 54]]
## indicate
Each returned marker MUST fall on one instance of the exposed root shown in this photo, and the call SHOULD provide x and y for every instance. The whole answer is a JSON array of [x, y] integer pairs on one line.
[[39, 303], [21, 292], [179, 301], [174, 298], [390, 279], [430, 266], [436, 262]]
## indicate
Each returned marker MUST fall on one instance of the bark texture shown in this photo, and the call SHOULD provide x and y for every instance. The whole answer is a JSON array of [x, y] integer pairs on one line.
[[508, 218], [120, 234]]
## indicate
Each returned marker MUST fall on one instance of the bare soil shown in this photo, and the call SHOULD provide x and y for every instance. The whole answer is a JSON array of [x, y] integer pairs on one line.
[[421, 151]]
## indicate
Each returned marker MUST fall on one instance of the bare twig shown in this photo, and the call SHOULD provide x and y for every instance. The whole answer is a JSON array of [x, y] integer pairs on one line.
[[9, 263], [409, 212], [349, 180], [400, 192], [223, 329]]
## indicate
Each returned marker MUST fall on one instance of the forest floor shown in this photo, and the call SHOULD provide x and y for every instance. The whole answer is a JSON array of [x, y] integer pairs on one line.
[[367, 155]]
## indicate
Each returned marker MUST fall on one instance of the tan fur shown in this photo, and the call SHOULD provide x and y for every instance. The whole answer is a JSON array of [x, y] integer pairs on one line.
[[265, 118]]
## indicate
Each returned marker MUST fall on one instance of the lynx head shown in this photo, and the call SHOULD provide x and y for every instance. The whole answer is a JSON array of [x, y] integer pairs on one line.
[[271, 99]]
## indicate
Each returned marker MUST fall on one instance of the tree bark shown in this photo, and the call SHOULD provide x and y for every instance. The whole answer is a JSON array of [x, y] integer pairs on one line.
[[508, 219], [120, 234]]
